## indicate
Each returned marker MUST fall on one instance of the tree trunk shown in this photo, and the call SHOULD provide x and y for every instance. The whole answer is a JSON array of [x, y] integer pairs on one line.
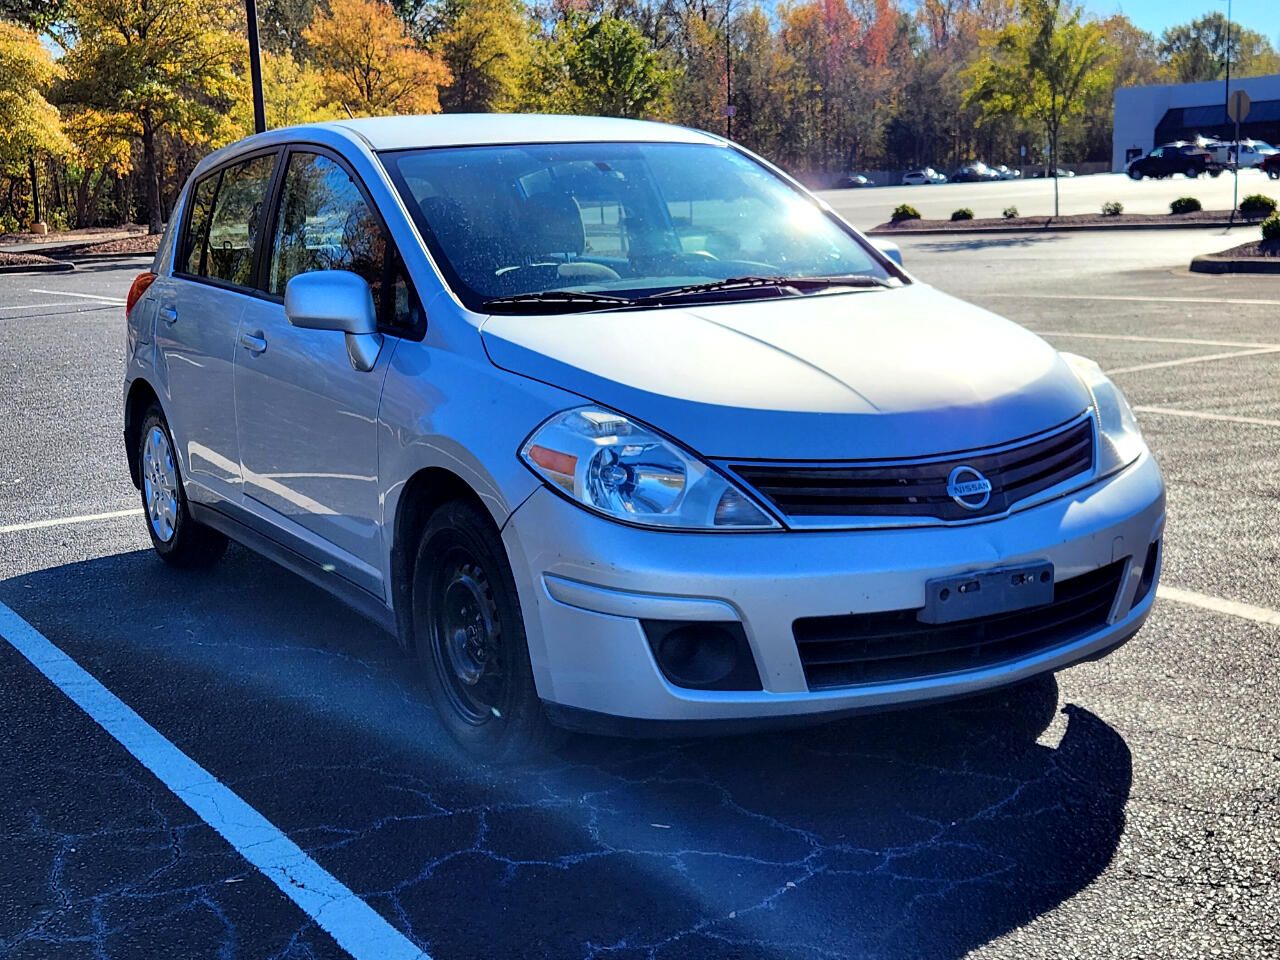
[[37, 213], [1053, 165], [150, 170]]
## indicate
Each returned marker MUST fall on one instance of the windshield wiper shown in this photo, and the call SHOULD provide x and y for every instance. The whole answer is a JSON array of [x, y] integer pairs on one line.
[[555, 301], [799, 284]]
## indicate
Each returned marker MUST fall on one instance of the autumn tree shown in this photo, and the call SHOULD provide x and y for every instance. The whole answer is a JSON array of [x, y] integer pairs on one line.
[[599, 66], [159, 67], [369, 65], [292, 93], [1199, 50], [1044, 68], [29, 124], [486, 46]]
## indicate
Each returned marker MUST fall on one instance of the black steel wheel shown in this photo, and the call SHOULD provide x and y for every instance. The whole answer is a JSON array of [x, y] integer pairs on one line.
[[468, 631]]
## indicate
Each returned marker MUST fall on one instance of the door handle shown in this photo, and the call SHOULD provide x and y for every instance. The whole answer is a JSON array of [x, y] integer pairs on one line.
[[253, 342], [169, 314]]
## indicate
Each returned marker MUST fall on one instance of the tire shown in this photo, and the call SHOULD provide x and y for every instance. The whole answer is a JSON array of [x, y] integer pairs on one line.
[[1192, 173], [1274, 173], [469, 635], [177, 538], [1215, 174], [1135, 174]]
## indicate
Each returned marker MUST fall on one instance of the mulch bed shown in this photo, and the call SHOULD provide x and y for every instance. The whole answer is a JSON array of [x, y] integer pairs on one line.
[[1258, 248], [58, 238], [1075, 219], [146, 243], [24, 260]]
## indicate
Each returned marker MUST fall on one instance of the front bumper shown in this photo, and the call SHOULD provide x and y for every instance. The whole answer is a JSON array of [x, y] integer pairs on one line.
[[586, 583]]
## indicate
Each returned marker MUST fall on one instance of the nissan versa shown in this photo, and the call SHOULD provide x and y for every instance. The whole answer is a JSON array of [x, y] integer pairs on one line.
[[619, 428]]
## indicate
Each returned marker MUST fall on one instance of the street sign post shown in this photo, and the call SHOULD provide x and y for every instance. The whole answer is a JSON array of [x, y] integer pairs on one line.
[[1238, 104]]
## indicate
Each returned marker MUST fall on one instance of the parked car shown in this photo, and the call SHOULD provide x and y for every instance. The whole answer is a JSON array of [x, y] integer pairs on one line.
[[922, 177], [977, 172], [1170, 158], [1250, 152], [1271, 166], [1043, 173], [1008, 173], [615, 426], [854, 180]]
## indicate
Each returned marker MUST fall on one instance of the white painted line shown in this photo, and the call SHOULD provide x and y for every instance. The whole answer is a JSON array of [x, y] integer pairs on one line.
[[358, 928], [86, 296], [62, 521], [1128, 299], [1136, 339], [33, 306], [1202, 415], [1186, 360], [1232, 608]]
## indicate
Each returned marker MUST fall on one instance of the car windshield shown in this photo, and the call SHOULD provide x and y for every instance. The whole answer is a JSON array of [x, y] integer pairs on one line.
[[626, 219]]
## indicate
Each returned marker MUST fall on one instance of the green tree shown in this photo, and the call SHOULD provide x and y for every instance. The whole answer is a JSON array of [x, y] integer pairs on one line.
[[1044, 69], [486, 44], [35, 15], [599, 66], [161, 67], [1198, 50]]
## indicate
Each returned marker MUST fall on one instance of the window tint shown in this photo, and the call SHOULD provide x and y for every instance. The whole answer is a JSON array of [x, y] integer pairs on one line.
[[198, 225], [233, 227], [325, 224]]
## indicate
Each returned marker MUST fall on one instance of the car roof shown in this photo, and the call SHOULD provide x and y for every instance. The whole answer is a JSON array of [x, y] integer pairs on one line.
[[466, 129]]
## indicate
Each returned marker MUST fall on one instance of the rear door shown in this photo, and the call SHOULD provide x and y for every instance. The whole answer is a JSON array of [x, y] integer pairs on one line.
[[307, 420], [199, 310]]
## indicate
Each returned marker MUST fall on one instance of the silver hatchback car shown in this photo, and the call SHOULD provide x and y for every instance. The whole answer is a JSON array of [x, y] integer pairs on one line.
[[618, 428]]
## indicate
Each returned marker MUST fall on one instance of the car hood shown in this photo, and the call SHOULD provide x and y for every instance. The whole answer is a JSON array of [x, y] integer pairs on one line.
[[876, 374]]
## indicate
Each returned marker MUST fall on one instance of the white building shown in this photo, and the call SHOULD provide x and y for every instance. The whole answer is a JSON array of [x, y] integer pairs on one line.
[[1149, 116]]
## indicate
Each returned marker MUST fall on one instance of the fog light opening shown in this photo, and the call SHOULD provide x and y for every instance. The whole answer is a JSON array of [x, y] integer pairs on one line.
[[703, 655]]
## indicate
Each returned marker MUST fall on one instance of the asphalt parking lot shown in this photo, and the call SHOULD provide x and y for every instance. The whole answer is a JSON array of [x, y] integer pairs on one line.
[[1125, 808]]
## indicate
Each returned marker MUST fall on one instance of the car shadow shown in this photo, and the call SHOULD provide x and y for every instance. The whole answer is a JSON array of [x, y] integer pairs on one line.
[[986, 243], [917, 833]]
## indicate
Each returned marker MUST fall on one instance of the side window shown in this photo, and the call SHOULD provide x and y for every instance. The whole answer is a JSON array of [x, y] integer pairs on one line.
[[198, 225], [325, 224], [233, 226]]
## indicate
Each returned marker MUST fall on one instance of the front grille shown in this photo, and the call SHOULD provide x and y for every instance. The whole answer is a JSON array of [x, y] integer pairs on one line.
[[865, 648], [912, 488]]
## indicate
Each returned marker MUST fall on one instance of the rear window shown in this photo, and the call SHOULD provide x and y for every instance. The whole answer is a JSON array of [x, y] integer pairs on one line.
[[227, 208]]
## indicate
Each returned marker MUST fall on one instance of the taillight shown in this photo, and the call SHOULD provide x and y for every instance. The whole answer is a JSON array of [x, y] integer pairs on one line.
[[140, 284]]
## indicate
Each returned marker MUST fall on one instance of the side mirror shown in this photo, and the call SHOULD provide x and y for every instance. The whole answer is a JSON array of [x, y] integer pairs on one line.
[[341, 301], [890, 250]]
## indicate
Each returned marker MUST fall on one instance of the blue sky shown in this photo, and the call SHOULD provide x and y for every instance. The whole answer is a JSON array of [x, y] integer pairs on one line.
[[1155, 15]]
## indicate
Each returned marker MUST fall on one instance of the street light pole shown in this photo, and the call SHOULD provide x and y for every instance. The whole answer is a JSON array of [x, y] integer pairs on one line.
[[1227, 87], [255, 67]]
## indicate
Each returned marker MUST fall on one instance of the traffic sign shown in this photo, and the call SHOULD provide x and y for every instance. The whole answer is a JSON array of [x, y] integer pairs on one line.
[[1238, 106]]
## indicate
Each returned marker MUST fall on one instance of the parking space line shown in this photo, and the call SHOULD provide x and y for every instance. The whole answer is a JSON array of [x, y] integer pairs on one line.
[[1129, 299], [1202, 415], [1130, 338], [84, 296], [31, 306], [1183, 361], [358, 928], [1232, 608], [62, 521]]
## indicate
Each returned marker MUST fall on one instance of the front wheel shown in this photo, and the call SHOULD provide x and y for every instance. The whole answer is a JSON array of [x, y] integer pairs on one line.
[[1135, 174], [176, 537], [1274, 173], [470, 639], [1192, 173]]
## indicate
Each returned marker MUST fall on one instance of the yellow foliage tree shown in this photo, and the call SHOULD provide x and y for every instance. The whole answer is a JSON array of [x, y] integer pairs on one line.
[[29, 124], [486, 46], [369, 65], [292, 93]]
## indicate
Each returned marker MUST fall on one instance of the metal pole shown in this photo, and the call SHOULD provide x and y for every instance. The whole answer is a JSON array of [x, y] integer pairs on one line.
[[255, 67], [728, 74], [1227, 87]]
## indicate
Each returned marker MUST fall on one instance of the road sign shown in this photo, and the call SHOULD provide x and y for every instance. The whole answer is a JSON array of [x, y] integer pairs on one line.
[[1238, 106]]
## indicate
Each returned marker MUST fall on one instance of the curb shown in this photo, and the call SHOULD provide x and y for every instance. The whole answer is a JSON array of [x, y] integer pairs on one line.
[[881, 231], [58, 266], [1209, 263], [74, 257]]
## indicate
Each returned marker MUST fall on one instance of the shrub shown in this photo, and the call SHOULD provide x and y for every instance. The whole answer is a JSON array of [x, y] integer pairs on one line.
[[1271, 227], [964, 213], [1112, 208], [1185, 205], [1257, 205], [1010, 213], [904, 211]]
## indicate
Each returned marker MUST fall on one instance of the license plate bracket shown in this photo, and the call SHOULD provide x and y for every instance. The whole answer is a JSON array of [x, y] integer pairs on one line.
[[987, 592]]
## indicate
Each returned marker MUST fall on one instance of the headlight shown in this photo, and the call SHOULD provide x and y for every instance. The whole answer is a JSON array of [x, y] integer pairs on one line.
[[1119, 439], [623, 470]]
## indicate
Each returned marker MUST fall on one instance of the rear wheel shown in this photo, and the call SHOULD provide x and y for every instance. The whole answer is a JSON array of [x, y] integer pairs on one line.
[[1192, 173], [176, 537], [470, 638], [1273, 173]]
